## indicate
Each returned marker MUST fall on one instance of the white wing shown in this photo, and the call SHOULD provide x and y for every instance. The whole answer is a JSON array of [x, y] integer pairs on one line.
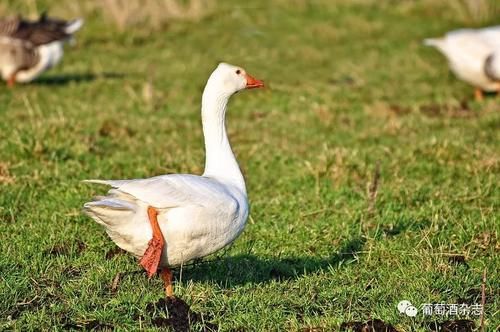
[[174, 190], [491, 36], [197, 215]]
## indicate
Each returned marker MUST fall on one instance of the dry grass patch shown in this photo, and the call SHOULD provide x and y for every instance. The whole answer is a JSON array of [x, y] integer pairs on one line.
[[124, 14], [5, 176]]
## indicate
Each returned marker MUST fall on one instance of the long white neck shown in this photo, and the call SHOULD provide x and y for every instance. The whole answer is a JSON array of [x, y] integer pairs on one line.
[[220, 162]]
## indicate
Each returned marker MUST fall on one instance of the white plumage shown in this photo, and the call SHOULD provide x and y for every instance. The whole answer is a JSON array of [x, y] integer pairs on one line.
[[198, 215], [473, 55], [50, 55]]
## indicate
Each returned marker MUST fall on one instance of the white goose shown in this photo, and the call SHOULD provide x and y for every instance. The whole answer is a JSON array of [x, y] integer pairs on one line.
[[474, 56], [171, 219]]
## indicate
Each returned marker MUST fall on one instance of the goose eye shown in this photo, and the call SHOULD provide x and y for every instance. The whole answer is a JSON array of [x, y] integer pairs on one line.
[[238, 72]]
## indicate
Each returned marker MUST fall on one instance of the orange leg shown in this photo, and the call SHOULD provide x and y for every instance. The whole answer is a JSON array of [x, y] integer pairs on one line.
[[151, 258], [167, 275], [11, 81], [478, 94]]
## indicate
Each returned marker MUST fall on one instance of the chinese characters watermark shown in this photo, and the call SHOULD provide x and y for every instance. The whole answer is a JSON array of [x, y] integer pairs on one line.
[[440, 309]]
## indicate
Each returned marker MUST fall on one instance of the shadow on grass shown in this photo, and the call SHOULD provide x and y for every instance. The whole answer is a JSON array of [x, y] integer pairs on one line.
[[75, 77], [177, 315], [246, 268], [402, 225], [227, 271]]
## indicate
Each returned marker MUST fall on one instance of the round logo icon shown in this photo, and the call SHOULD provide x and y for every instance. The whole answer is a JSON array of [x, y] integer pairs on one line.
[[411, 311], [402, 305], [407, 308]]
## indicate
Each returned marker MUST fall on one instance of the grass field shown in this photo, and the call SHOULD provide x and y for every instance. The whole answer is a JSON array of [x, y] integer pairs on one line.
[[373, 176]]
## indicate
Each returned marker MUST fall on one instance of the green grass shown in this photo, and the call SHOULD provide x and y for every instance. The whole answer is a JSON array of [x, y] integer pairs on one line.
[[350, 87]]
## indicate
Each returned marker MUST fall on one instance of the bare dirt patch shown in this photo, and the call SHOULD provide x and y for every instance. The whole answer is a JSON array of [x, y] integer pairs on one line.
[[116, 251], [459, 325], [63, 249], [462, 110], [373, 325], [457, 260], [177, 314]]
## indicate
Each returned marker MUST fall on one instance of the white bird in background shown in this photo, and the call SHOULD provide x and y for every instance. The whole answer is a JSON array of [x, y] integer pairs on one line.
[[28, 48], [168, 220], [474, 56]]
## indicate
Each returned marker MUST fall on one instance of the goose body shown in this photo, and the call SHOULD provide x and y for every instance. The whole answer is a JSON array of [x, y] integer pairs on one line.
[[473, 55], [27, 48], [196, 214]]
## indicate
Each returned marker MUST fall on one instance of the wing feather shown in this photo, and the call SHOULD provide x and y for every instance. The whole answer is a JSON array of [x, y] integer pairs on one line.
[[41, 32], [168, 191]]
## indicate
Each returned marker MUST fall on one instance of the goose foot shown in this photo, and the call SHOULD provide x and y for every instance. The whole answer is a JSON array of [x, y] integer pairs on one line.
[[11, 81], [167, 275], [151, 258], [478, 94]]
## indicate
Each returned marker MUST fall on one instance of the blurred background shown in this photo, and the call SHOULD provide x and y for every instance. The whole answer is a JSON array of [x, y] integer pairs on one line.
[[372, 173], [154, 15]]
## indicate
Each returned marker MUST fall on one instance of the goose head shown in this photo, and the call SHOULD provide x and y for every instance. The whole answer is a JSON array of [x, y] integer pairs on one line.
[[227, 79]]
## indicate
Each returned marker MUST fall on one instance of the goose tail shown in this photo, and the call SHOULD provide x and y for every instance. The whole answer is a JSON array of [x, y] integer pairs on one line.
[[111, 183], [73, 26], [434, 42], [110, 211]]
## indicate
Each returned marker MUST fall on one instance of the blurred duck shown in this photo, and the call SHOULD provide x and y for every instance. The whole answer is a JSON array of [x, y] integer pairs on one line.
[[473, 56], [28, 48], [168, 220]]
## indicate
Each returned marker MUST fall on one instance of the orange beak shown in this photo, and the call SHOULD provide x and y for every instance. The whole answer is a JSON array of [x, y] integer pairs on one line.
[[253, 82]]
